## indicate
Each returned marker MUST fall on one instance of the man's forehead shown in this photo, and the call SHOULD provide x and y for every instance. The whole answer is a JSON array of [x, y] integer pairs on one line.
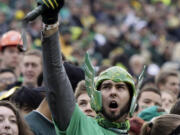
[[12, 48], [172, 78], [31, 58], [83, 96], [110, 81], [150, 95], [146, 92]]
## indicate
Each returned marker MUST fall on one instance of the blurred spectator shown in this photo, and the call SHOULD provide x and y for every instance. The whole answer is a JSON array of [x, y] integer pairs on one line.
[[83, 100], [171, 65], [147, 97], [136, 63], [31, 68], [168, 99], [10, 53], [168, 80], [148, 82], [176, 55], [175, 109], [12, 121], [65, 40], [87, 19], [7, 77], [75, 15], [26, 99], [3, 24]]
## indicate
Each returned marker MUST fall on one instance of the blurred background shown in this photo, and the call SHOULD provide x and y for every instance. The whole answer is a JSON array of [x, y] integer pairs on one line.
[[129, 33]]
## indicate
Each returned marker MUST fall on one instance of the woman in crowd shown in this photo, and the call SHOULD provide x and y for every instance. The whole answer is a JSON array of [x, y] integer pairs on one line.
[[168, 99], [11, 121]]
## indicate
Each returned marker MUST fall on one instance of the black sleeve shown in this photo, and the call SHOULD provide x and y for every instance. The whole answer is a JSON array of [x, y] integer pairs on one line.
[[60, 93]]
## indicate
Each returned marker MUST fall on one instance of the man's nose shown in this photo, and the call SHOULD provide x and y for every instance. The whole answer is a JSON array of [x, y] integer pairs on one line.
[[88, 108], [29, 67], [113, 92]]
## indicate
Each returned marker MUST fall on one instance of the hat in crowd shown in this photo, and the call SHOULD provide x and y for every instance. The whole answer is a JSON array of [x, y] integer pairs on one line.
[[4, 95], [135, 124], [151, 112], [40, 89], [28, 98], [74, 73]]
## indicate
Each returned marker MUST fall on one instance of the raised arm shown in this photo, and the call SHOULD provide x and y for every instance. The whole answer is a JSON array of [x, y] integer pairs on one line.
[[60, 93]]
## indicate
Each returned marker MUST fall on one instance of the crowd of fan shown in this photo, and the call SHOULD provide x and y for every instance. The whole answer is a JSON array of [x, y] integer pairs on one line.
[[126, 33], [111, 31]]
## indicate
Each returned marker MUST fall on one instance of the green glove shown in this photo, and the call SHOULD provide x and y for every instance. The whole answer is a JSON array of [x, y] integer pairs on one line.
[[51, 9]]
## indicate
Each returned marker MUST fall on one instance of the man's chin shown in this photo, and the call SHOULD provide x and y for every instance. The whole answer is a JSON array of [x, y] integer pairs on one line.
[[116, 114], [111, 115], [29, 84]]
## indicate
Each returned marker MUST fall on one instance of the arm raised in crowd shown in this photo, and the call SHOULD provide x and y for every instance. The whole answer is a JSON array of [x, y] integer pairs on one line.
[[60, 93]]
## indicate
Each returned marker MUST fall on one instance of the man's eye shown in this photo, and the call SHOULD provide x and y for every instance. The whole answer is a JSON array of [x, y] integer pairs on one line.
[[34, 65], [120, 87], [105, 86], [26, 64], [170, 101], [147, 101], [82, 104]]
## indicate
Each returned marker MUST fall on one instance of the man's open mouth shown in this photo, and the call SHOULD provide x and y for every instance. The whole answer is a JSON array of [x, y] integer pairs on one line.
[[113, 105]]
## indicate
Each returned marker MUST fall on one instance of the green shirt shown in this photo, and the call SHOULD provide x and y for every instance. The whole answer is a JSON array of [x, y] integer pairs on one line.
[[81, 124]]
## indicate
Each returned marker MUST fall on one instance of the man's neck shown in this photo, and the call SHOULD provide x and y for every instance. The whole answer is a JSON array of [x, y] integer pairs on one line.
[[44, 109], [120, 126], [121, 119], [29, 85]]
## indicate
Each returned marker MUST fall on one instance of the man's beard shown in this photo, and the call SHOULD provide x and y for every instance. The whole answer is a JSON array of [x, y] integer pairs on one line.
[[112, 117]]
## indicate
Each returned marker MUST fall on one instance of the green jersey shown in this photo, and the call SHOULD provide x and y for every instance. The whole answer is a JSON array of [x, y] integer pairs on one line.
[[81, 124]]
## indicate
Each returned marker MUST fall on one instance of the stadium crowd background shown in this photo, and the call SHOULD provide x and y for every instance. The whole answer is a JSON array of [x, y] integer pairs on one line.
[[114, 32], [127, 33]]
